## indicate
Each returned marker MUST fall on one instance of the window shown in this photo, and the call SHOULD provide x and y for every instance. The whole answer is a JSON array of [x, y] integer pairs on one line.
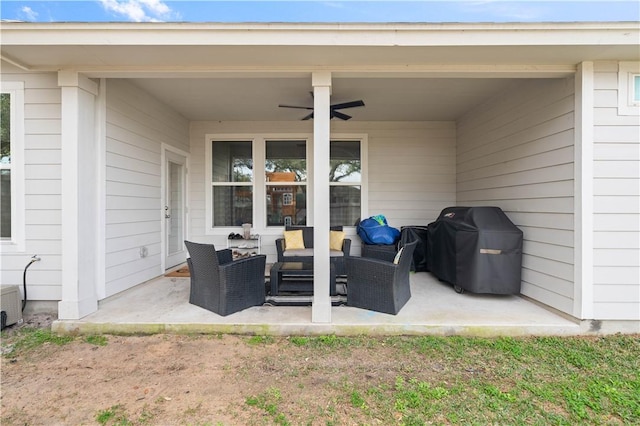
[[286, 182], [232, 183], [264, 181], [345, 183], [5, 166], [12, 166], [629, 88]]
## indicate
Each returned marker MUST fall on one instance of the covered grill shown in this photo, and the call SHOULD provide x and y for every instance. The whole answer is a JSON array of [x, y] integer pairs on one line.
[[476, 249]]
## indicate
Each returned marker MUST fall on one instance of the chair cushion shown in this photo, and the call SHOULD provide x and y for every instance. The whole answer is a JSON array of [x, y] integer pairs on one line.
[[298, 252], [293, 240], [336, 239], [396, 259], [309, 252]]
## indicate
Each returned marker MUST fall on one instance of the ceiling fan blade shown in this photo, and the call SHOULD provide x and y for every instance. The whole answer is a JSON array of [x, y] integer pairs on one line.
[[332, 109], [340, 115], [351, 104], [294, 106]]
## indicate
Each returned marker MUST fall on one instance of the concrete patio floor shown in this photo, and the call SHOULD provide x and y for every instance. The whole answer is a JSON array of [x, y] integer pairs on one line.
[[161, 306]]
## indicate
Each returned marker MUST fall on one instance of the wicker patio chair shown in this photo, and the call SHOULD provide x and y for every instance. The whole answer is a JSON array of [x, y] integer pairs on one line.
[[379, 285], [379, 251], [306, 254], [221, 284]]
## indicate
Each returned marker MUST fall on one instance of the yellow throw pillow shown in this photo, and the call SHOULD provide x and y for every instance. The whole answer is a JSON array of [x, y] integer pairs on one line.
[[336, 238], [293, 240]]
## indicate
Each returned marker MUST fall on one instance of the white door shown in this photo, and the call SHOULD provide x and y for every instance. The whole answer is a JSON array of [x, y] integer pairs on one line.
[[175, 208]]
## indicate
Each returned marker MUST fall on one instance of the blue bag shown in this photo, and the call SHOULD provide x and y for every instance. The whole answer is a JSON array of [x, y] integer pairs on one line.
[[375, 230]]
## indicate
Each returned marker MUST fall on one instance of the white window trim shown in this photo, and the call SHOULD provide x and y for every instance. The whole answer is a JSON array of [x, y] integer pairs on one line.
[[17, 242], [259, 182], [626, 73]]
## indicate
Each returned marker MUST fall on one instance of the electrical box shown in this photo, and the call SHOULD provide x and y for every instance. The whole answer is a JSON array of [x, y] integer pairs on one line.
[[11, 302]]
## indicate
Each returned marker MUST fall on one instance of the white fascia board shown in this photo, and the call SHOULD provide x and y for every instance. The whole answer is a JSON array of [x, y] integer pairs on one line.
[[171, 34]]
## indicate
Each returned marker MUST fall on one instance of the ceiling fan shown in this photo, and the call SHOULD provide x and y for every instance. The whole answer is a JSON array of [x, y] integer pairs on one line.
[[332, 109]]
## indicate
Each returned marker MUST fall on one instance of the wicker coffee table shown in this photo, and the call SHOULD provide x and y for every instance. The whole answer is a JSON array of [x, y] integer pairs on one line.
[[297, 277]]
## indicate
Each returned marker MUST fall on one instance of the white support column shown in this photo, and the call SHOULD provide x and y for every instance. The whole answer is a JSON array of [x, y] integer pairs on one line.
[[321, 309], [79, 199], [583, 193]]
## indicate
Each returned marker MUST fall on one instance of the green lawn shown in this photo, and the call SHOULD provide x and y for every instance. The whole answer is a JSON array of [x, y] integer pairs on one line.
[[331, 380], [544, 380]]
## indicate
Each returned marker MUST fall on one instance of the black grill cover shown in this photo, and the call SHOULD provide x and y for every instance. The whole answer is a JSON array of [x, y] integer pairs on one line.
[[476, 248], [409, 234]]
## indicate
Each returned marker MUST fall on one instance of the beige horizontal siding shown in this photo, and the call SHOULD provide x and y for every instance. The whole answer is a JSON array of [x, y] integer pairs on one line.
[[42, 143], [136, 126], [516, 152], [616, 191]]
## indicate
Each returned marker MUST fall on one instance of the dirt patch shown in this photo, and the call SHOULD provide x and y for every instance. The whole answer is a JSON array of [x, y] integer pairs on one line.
[[39, 320], [177, 379]]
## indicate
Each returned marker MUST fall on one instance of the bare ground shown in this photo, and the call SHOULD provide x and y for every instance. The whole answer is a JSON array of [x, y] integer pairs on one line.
[[196, 380], [244, 380]]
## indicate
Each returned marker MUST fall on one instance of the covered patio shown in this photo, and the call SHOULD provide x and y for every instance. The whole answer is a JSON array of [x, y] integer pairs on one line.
[[162, 305], [139, 137]]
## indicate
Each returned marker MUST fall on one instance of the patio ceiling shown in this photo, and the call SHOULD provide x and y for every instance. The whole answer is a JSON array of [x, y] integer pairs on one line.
[[386, 99]]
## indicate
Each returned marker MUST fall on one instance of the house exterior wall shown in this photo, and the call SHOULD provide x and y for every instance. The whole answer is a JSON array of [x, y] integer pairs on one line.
[[616, 200], [516, 152], [411, 171], [42, 156], [136, 126]]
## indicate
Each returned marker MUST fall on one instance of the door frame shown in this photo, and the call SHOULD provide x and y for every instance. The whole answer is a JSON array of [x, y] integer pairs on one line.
[[163, 199]]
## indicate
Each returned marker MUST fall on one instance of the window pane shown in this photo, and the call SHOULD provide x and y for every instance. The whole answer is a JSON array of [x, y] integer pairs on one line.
[[344, 205], [5, 203], [286, 205], [176, 219], [232, 161], [5, 158], [286, 161], [345, 162], [5, 128], [636, 88], [232, 205]]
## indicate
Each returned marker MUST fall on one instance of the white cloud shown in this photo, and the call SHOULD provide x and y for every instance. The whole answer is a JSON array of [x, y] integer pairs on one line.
[[156, 6], [139, 10], [28, 13]]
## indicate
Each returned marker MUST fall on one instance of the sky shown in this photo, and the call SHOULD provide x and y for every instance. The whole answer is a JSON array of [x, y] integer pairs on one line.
[[319, 11]]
